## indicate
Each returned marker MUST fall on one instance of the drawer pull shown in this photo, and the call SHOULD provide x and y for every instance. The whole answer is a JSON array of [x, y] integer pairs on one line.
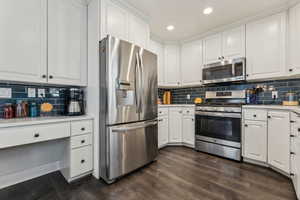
[[298, 129], [269, 117], [254, 116], [82, 161], [83, 129], [292, 121], [292, 136], [246, 125], [82, 141], [36, 135], [291, 174], [293, 153]]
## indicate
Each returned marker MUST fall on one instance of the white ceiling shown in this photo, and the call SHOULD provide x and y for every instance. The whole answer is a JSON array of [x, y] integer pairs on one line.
[[187, 15]]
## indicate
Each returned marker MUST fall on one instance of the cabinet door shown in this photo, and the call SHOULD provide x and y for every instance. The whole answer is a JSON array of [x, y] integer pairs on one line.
[[172, 65], [191, 63], [255, 140], [279, 136], [294, 41], [115, 20], [175, 125], [234, 42], [265, 42], [163, 131], [297, 166], [67, 42], [158, 48], [188, 130], [139, 32], [212, 49], [23, 40]]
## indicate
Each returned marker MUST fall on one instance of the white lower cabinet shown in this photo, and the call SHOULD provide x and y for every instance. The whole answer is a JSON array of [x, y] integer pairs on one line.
[[163, 131], [176, 126], [81, 161], [255, 140], [188, 130], [279, 140], [78, 157]]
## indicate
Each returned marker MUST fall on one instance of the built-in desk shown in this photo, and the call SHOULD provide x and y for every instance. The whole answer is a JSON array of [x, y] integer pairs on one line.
[[33, 147]]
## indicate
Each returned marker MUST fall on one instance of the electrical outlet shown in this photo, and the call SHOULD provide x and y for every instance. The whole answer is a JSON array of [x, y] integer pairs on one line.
[[5, 93], [188, 96], [31, 92], [274, 94], [41, 93]]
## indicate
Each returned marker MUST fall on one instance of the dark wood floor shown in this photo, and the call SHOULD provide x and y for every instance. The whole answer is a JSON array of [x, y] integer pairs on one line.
[[179, 174]]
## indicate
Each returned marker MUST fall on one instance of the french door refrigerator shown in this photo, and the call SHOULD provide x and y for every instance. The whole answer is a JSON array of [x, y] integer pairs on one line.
[[128, 108]]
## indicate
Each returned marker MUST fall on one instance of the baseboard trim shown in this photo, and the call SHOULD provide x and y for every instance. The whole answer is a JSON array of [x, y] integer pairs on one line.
[[15, 178]]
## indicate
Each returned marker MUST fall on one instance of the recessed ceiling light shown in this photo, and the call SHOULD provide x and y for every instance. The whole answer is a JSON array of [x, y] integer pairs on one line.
[[170, 28], [208, 10]]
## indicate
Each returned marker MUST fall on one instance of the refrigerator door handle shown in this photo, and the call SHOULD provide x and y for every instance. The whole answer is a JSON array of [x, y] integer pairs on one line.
[[136, 74], [141, 65], [129, 128]]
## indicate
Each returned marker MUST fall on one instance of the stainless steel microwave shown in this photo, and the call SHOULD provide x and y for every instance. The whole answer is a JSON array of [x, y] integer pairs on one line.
[[225, 71]]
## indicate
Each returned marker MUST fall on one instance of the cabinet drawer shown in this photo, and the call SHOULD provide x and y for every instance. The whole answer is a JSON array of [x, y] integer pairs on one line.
[[188, 111], [81, 140], [32, 134], [81, 127], [163, 111], [253, 114], [81, 161]]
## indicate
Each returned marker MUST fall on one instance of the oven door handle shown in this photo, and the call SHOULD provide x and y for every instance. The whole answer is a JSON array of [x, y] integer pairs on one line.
[[216, 114]]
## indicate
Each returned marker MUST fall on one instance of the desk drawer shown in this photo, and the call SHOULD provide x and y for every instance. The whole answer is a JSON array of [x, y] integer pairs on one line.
[[81, 140], [255, 114], [81, 161], [81, 127], [32, 134]]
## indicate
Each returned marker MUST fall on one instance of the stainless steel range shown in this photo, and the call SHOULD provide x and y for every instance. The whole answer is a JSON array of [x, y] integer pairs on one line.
[[218, 124]]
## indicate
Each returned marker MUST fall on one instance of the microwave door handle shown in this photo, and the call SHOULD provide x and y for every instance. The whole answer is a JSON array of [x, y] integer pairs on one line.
[[233, 68]]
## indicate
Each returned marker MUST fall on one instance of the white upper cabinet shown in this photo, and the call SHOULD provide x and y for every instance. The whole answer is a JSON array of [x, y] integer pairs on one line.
[[23, 40], [279, 140], [67, 42], [191, 63], [158, 49], [212, 49], [139, 32], [294, 41], [266, 47], [122, 23], [224, 46], [172, 65], [116, 20], [234, 42]]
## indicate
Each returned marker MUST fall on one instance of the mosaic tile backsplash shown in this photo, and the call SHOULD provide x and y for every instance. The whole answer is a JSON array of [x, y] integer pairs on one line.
[[53, 95], [179, 95]]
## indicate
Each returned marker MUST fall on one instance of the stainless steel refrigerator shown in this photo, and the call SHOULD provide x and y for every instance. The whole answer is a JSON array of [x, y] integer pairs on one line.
[[128, 108]]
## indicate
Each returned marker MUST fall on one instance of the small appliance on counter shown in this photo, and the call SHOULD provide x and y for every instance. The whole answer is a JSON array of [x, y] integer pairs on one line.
[[74, 102], [290, 99]]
